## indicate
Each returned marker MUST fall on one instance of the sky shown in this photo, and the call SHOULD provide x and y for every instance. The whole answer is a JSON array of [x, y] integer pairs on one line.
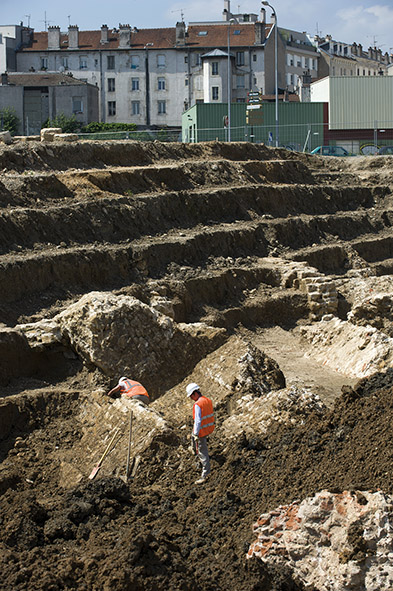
[[365, 21]]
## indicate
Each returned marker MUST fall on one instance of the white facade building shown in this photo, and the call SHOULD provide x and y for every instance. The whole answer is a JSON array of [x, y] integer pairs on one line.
[[150, 76]]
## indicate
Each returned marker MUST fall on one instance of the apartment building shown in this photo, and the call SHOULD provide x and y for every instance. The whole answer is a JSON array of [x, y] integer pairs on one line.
[[301, 58], [343, 59], [151, 76]]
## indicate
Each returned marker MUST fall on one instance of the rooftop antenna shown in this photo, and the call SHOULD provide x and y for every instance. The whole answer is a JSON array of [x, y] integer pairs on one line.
[[181, 14], [319, 33], [69, 20], [45, 21], [374, 38], [28, 16]]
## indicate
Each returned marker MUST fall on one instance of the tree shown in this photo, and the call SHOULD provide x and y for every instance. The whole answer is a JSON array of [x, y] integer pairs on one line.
[[9, 121]]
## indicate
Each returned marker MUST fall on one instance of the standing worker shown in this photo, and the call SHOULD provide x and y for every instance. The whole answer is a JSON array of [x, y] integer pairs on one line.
[[130, 389], [203, 426]]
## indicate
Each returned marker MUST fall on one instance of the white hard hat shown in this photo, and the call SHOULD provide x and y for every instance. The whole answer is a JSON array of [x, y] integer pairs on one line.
[[191, 388], [123, 379]]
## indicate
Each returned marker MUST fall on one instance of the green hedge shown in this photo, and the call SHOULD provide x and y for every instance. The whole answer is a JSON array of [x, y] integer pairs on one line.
[[96, 127]]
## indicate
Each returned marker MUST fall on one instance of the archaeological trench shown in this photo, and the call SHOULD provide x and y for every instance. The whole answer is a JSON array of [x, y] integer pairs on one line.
[[263, 275]]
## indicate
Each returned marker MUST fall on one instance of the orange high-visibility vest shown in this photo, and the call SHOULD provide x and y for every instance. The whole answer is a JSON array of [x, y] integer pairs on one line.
[[207, 416], [134, 388]]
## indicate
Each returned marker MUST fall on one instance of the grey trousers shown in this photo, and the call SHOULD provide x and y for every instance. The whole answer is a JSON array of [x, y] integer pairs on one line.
[[203, 455]]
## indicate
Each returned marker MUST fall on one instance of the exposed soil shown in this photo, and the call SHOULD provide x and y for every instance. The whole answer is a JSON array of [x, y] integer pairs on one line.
[[220, 232]]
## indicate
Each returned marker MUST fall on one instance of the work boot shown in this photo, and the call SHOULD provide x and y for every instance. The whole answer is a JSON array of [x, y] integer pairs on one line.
[[201, 480]]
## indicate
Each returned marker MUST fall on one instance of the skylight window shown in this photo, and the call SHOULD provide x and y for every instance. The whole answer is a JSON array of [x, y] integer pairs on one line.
[[237, 32], [202, 33]]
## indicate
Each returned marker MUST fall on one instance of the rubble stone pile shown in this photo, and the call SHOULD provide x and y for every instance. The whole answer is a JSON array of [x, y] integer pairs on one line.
[[332, 541]]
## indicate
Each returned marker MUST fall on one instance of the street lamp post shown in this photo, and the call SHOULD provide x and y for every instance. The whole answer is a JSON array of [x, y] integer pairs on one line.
[[229, 80], [265, 3]]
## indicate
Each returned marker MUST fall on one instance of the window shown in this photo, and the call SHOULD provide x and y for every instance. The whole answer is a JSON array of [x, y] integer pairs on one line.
[[161, 83], [214, 93], [186, 81], [64, 62], [83, 62], [306, 62], [1, 38], [240, 58], [77, 104], [161, 107], [111, 85], [198, 59], [44, 63], [240, 81], [135, 108], [241, 100], [186, 59], [202, 33], [254, 57], [161, 61], [135, 62], [214, 68], [110, 62], [134, 83], [111, 108]]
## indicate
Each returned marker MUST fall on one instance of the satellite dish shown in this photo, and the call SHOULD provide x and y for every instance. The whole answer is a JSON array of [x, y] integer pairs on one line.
[[61, 69]]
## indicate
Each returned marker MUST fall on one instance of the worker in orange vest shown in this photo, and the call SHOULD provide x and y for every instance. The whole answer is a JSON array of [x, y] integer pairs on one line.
[[130, 389], [203, 426]]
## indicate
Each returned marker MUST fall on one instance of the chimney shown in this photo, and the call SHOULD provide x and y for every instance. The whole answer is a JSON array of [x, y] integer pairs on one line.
[[53, 37], [4, 79], [354, 49], [360, 50], [273, 18], [227, 10], [260, 33], [379, 55], [104, 34], [180, 33], [73, 37], [263, 15], [124, 35], [27, 35]]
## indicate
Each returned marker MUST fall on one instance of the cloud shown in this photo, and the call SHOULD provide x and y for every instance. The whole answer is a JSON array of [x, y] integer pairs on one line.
[[368, 24]]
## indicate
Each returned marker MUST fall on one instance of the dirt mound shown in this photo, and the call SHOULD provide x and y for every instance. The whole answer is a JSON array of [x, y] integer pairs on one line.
[[162, 532]]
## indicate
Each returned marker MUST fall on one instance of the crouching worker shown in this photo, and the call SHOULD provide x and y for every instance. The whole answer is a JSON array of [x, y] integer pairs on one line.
[[130, 389], [203, 426]]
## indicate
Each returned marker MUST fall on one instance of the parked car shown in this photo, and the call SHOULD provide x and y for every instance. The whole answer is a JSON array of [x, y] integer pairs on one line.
[[385, 151], [331, 151]]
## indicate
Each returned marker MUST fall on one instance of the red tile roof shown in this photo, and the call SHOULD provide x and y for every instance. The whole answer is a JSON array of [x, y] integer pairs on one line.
[[164, 38], [217, 35]]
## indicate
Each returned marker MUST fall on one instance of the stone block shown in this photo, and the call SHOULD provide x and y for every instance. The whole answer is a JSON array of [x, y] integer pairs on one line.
[[48, 133], [5, 137], [65, 137], [27, 138]]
